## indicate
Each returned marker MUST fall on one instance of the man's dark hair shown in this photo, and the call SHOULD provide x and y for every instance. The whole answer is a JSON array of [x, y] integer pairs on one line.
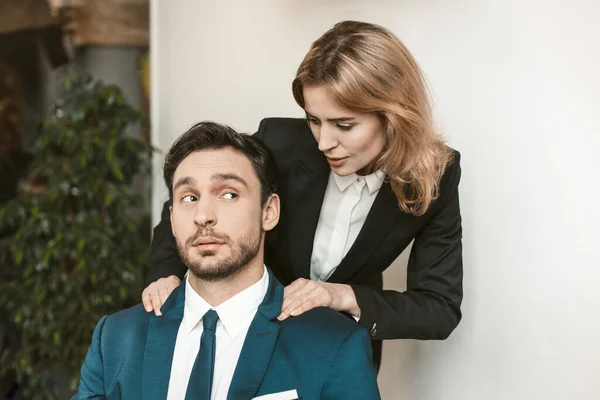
[[213, 136]]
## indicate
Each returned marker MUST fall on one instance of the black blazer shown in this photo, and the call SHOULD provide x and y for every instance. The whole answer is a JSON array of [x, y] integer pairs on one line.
[[428, 309]]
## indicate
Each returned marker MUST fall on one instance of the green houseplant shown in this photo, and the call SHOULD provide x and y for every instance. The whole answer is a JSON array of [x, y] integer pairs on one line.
[[76, 248]]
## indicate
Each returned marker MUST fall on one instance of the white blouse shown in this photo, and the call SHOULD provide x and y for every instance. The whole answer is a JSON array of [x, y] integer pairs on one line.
[[346, 204]]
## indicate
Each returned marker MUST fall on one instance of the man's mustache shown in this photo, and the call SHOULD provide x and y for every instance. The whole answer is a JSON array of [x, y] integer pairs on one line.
[[207, 233]]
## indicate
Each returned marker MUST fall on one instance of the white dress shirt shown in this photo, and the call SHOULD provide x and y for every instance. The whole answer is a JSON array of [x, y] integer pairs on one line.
[[235, 316], [346, 204]]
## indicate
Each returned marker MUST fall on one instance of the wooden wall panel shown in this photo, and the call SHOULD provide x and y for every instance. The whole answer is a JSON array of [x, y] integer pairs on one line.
[[111, 22], [16, 15]]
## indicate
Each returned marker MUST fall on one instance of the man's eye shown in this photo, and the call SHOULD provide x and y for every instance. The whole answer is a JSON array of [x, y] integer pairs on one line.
[[189, 198], [313, 121], [344, 127], [230, 196]]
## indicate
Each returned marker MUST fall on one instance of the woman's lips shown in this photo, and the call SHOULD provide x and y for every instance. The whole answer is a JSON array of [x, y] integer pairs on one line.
[[336, 162]]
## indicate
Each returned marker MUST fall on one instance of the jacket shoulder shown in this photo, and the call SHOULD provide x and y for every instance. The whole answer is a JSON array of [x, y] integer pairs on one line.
[[451, 177], [285, 133], [287, 138], [323, 326], [275, 123], [128, 323]]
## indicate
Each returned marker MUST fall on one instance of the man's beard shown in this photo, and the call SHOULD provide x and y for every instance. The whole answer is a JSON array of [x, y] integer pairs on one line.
[[242, 252]]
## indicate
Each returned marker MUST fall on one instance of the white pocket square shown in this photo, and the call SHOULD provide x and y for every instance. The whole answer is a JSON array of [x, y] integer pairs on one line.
[[287, 395]]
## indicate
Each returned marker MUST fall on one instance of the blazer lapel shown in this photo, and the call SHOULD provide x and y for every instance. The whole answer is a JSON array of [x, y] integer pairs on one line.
[[382, 217], [258, 346], [304, 197], [160, 346]]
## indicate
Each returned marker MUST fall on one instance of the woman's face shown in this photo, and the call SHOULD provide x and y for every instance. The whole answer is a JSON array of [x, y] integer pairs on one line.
[[350, 140]]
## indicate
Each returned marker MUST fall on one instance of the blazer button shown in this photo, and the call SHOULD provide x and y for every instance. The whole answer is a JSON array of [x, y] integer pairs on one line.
[[373, 332]]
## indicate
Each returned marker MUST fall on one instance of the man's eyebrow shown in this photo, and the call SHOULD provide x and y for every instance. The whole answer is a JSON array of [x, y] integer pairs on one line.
[[229, 177], [186, 181]]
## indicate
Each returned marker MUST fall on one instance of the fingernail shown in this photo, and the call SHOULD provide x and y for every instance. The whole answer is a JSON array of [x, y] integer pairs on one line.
[[148, 308], [294, 312]]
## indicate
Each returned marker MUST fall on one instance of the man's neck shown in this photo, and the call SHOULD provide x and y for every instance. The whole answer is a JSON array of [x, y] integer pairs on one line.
[[218, 292]]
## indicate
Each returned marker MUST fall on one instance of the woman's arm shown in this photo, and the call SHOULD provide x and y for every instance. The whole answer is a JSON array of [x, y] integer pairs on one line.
[[164, 257], [430, 307], [166, 268]]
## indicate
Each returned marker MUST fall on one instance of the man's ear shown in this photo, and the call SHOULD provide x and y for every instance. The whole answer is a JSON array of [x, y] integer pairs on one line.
[[270, 216], [171, 219]]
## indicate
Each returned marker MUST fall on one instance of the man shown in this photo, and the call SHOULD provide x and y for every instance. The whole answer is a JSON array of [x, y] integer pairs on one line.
[[219, 336]]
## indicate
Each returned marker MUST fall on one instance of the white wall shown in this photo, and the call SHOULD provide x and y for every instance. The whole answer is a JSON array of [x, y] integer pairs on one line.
[[516, 86]]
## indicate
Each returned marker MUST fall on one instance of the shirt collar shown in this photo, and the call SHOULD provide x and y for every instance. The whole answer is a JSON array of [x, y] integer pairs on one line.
[[374, 181], [233, 313]]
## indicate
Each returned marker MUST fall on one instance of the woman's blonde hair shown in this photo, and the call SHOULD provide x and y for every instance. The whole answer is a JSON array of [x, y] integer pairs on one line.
[[366, 68]]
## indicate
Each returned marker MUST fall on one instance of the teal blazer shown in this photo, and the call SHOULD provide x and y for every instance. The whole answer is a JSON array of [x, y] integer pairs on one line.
[[321, 354]]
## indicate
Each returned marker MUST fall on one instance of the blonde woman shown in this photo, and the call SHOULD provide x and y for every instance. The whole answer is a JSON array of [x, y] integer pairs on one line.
[[361, 177]]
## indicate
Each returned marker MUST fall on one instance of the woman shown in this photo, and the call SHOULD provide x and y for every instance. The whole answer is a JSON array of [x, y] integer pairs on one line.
[[360, 178]]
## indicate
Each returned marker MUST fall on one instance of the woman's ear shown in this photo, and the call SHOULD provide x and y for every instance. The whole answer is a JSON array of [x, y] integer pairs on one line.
[[271, 209]]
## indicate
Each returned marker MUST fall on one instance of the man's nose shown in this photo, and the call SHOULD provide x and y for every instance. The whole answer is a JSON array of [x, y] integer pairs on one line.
[[205, 213]]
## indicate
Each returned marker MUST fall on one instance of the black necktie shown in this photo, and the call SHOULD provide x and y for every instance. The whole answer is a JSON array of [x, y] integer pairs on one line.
[[200, 383]]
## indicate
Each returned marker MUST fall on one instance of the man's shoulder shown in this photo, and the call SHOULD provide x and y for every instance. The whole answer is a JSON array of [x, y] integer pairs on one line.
[[333, 350], [131, 314], [127, 322], [322, 325]]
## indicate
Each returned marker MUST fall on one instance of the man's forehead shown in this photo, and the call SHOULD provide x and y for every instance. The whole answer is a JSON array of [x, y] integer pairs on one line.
[[207, 163]]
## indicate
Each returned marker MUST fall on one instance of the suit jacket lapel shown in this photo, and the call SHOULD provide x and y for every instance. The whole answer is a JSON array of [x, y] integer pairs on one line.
[[258, 346], [160, 346], [308, 178], [382, 217]]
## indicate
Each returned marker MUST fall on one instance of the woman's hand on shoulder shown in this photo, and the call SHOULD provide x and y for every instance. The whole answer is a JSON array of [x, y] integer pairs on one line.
[[155, 295], [304, 294]]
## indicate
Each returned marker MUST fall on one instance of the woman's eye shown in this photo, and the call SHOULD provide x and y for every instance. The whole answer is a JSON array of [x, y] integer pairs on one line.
[[344, 127], [313, 121], [189, 198], [230, 196]]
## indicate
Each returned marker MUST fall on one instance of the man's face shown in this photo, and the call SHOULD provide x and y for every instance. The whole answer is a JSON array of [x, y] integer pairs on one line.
[[217, 217]]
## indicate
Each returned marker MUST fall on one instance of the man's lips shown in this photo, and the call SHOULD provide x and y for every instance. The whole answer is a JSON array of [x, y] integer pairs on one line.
[[206, 241]]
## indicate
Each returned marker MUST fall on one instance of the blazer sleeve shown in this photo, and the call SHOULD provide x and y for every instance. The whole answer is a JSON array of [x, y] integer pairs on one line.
[[352, 375], [91, 383], [430, 307], [164, 256]]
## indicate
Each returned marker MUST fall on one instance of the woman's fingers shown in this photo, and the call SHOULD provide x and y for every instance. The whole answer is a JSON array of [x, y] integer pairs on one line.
[[305, 296], [294, 286], [147, 298], [156, 303], [155, 295], [293, 290]]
